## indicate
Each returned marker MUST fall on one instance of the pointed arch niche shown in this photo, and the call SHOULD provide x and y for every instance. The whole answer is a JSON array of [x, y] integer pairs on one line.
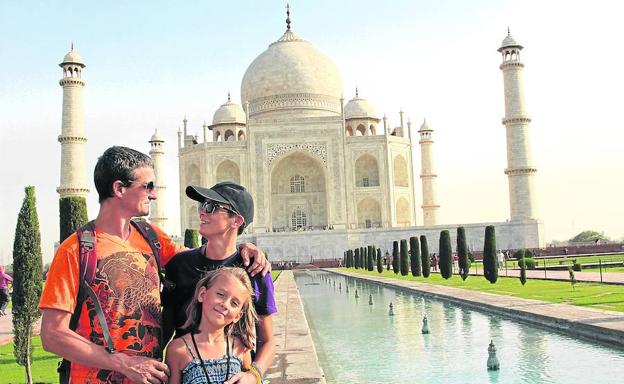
[[400, 172], [369, 213], [403, 212], [366, 171], [288, 196], [227, 170]]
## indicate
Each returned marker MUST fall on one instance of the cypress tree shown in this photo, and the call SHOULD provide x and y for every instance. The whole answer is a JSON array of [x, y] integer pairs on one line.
[[379, 263], [404, 258], [191, 238], [446, 255], [522, 264], [27, 279], [395, 256], [72, 215], [424, 255], [415, 256], [490, 263], [371, 258], [363, 256], [462, 253], [357, 258]]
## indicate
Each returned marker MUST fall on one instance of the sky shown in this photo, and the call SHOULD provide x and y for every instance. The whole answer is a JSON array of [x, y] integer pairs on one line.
[[150, 63]]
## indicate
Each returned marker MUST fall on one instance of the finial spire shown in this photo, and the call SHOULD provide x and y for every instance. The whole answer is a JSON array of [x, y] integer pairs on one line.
[[72, 46], [288, 16], [356, 92], [228, 95], [508, 32]]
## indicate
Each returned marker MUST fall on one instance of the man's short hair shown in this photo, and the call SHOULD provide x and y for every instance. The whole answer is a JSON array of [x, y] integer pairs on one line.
[[117, 163]]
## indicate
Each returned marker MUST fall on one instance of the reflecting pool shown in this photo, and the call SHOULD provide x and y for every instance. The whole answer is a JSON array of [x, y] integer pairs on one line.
[[360, 343]]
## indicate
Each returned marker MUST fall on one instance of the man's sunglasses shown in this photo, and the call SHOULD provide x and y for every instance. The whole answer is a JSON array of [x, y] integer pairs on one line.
[[210, 206], [147, 186]]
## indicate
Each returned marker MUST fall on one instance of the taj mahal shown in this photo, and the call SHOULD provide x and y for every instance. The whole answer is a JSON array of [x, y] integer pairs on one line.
[[326, 173]]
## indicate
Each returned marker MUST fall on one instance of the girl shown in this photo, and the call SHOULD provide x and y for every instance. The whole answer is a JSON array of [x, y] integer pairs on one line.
[[221, 324]]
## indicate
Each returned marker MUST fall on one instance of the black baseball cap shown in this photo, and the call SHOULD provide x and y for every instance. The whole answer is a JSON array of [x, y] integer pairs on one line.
[[226, 192]]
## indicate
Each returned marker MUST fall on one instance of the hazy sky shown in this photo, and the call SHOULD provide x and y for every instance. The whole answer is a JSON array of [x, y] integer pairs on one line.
[[149, 63]]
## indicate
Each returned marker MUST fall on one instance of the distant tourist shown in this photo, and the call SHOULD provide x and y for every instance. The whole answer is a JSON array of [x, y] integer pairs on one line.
[[5, 297]]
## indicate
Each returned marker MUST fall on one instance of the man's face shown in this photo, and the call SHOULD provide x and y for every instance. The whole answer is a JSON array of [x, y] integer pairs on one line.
[[139, 193]]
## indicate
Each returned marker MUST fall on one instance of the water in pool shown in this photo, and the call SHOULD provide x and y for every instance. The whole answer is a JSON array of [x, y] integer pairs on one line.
[[360, 343]]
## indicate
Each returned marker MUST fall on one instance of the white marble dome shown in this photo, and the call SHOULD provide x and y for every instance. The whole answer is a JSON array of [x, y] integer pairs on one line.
[[156, 137], [72, 57], [509, 41], [229, 112], [292, 73], [359, 108]]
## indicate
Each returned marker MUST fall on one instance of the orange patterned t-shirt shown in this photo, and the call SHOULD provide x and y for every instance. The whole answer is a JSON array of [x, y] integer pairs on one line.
[[127, 285]]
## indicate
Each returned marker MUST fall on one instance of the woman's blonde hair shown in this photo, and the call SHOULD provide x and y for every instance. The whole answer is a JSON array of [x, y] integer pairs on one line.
[[245, 327]]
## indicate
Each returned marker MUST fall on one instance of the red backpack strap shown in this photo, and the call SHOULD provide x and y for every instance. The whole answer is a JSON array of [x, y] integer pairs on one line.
[[87, 260]]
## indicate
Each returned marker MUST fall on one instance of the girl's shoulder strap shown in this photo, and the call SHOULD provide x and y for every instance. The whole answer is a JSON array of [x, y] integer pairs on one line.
[[188, 348]]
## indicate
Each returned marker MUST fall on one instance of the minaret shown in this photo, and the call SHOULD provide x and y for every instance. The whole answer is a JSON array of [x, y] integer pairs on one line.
[[520, 168], [428, 177], [158, 214], [72, 137]]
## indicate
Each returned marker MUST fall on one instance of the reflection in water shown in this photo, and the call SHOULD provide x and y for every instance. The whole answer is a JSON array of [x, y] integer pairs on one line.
[[359, 343]]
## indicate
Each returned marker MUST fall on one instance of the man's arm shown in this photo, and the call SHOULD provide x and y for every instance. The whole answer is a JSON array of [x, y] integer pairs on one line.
[[265, 350], [260, 263], [56, 337]]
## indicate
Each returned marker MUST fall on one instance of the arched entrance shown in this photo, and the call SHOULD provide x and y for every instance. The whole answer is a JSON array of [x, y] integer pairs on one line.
[[298, 193]]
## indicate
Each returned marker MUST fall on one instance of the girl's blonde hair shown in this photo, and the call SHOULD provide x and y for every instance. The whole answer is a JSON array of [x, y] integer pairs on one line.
[[245, 327]]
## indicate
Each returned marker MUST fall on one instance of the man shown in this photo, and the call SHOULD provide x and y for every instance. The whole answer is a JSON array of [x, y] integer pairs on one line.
[[224, 212], [126, 282]]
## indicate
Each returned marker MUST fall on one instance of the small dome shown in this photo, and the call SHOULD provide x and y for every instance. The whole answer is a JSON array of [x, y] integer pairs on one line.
[[424, 126], [156, 137], [72, 57], [359, 108], [229, 113], [509, 41]]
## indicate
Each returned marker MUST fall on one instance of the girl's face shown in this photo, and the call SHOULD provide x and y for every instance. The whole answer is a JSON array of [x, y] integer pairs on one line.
[[223, 302]]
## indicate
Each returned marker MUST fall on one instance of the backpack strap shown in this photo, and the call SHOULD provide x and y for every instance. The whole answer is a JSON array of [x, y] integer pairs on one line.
[[149, 234], [88, 265]]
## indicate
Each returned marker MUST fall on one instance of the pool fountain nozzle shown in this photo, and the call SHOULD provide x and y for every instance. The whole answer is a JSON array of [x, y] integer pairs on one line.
[[391, 311], [425, 327], [370, 299], [492, 362]]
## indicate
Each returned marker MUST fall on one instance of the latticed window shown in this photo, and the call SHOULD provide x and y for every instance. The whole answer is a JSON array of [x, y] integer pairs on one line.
[[297, 184], [365, 182], [298, 219], [368, 222]]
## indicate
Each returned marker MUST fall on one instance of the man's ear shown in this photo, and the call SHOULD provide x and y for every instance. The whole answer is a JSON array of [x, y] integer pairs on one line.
[[118, 187]]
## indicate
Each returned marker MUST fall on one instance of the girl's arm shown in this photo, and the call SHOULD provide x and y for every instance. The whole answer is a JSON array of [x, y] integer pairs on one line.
[[174, 359]]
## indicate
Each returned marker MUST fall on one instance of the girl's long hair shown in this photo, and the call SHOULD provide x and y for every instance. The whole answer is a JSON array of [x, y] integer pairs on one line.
[[245, 327]]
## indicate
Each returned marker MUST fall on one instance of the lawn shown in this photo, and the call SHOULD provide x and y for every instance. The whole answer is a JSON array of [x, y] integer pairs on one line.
[[594, 259], [43, 365], [275, 275], [598, 296]]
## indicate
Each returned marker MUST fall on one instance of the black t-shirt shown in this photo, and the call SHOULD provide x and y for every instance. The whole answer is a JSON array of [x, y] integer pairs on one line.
[[186, 268]]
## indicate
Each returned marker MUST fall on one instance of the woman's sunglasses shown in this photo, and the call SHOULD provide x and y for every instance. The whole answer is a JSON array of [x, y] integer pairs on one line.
[[210, 206]]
